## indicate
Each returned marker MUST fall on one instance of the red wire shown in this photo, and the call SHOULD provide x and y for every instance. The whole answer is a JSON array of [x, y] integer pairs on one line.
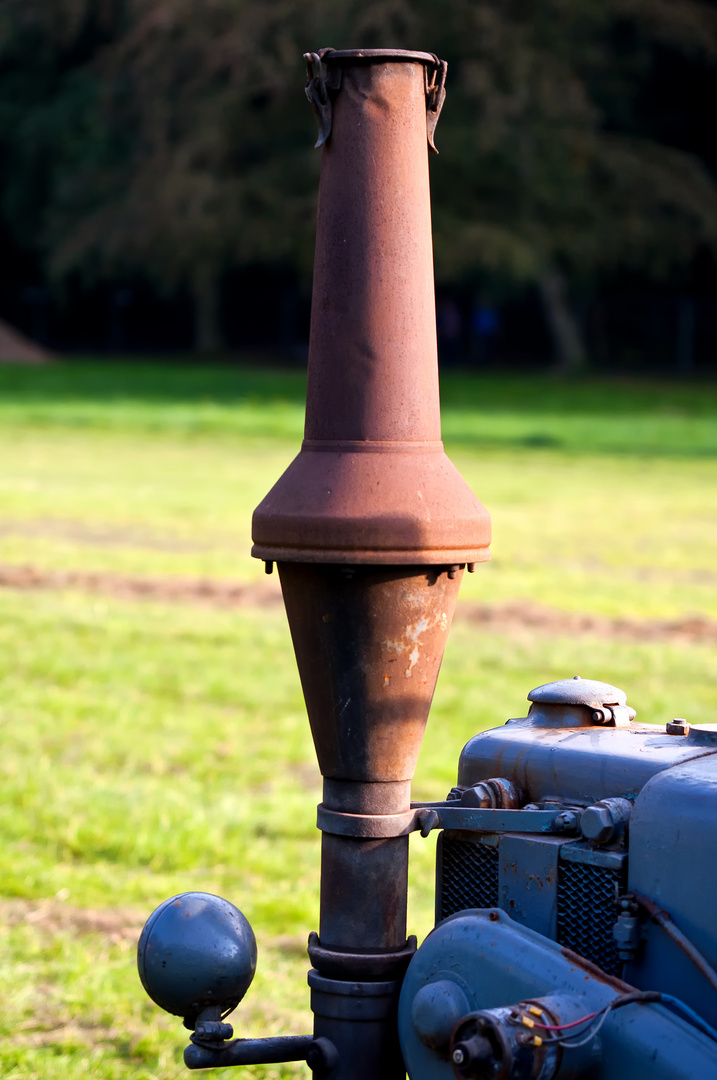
[[564, 1027]]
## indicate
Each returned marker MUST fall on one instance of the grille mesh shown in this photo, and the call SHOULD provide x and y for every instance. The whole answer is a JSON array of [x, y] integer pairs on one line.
[[586, 912], [468, 878], [468, 875]]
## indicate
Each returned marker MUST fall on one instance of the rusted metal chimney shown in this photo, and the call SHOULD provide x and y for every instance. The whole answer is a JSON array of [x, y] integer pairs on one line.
[[371, 527]]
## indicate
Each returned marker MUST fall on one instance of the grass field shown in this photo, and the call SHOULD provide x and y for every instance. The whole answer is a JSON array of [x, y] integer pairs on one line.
[[156, 741]]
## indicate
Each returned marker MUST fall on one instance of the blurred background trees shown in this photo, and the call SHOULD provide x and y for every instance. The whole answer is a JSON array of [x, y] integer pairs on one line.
[[158, 183]]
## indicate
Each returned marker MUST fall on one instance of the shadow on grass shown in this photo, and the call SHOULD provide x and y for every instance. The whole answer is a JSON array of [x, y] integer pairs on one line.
[[480, 410], [186, 380], [151, 381]]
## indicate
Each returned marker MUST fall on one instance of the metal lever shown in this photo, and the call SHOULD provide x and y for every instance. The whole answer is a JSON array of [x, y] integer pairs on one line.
[[319, 1054]]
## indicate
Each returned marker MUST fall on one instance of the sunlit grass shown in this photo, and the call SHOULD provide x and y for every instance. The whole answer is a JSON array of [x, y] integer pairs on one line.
[[583, 531], [154, 747]]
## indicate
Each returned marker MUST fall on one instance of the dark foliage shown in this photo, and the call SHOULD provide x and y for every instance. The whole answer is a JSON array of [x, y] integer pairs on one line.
[[169, 139]]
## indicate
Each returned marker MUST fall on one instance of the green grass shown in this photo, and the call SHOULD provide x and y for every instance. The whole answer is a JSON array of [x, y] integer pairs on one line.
[[592, 415], [150, 748]]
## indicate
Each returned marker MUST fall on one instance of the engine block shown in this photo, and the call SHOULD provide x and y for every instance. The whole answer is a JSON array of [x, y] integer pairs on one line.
[[622, 882]]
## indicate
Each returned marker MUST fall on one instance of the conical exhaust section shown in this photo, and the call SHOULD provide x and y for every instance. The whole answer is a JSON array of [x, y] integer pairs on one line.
[[369, 645]]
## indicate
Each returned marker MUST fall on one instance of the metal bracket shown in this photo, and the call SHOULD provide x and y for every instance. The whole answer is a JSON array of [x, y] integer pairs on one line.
[[366, 826], [425, 817], [319, 80], [617, 715], [323, 78], [435, 97]]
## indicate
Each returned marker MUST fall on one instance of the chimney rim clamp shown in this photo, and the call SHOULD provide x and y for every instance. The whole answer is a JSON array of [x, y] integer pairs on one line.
[[319, 80], [324, 73]]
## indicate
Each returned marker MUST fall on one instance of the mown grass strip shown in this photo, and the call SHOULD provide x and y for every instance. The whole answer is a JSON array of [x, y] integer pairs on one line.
[[592, 415]]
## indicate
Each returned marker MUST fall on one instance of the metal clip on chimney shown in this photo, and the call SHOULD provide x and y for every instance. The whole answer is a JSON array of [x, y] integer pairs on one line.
[[371, 527]]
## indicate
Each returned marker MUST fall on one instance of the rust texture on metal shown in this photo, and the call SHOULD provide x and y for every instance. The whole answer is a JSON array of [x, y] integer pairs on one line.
[[369, 644], [594, 972], [364, 889], [664, 920], [372, 483], [370, 527]]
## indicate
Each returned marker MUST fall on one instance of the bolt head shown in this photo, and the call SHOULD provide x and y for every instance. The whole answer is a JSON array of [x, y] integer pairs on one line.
[[678, 726], [596, 824], [459, 1056], [479, 795], [566, 821]]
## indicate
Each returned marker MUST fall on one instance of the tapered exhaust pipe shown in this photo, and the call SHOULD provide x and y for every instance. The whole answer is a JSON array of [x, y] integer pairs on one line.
[[371, 527], [372, 484]]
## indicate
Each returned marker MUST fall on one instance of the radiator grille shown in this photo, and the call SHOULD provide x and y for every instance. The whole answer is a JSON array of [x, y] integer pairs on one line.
[[586, 912], [468, 878], [468, 873]]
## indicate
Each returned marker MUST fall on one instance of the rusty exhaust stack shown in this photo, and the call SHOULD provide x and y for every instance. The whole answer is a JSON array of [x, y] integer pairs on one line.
[[371, 527]]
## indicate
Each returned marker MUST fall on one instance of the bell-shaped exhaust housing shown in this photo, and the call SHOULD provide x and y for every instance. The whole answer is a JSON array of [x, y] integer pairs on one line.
[[371, 524], [372, 484]]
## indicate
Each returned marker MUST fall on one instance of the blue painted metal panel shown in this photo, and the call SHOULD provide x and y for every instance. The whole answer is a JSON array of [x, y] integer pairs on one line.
[[528, 880], [494, 963], [673, 861], [582, 763], [669, 847]]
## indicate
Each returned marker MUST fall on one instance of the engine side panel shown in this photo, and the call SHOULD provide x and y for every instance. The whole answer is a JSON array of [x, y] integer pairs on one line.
[[673, 861]]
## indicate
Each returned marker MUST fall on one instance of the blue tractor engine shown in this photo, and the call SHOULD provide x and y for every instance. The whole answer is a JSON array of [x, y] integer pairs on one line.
[[608, 905]]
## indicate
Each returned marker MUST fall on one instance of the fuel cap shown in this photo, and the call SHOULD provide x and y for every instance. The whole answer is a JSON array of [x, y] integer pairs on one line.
[[577, 691], [565, 703]]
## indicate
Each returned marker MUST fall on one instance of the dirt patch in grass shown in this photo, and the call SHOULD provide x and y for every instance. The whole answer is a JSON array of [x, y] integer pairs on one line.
[[512, 617], [54, 915], [97, 535], [538, 618], [215, 593]]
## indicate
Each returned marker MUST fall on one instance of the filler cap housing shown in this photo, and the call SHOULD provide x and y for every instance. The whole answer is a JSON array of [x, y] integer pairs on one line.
[[578, 691], [568, 702]]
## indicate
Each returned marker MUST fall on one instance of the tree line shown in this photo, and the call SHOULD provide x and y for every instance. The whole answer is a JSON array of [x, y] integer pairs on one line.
[[169, 140]]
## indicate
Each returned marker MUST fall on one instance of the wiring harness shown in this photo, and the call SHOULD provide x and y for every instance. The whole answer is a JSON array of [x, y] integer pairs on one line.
[[582, 1031]]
